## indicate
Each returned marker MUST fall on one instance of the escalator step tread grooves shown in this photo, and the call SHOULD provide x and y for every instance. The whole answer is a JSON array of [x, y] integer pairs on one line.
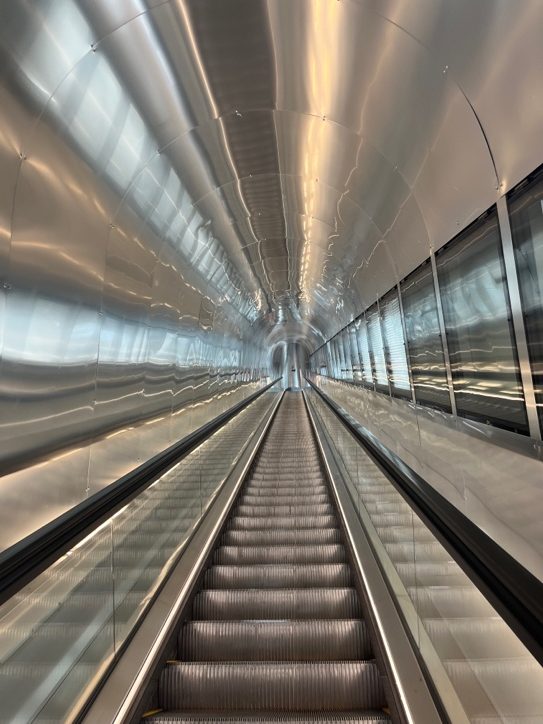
[[274, 640], [282, 537], [291, 686], [269, 718], [276, 633], [292, 522], [328, 575]]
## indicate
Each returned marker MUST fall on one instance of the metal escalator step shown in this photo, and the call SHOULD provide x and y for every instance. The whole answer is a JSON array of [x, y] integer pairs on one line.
[[274, 641], [279, 576], [285, 480], [301, 603], [269, 511], [249, 522], [309, 499], [240, 555], [276, 686], [278, 481], [267, 490], [192, 717], [309, 536]]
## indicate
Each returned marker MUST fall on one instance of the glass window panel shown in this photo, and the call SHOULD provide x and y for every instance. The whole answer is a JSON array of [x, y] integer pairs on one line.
[[363, 343], [340, 357], [526, 212], [424, 343], [335, 359], [346, 344], [376, 347], [355, 354], [480, 337], [398, 370]]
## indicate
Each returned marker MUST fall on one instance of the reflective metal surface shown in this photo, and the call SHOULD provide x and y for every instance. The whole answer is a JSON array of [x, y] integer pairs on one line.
[[187, 184], [480, 337], [424, 340]]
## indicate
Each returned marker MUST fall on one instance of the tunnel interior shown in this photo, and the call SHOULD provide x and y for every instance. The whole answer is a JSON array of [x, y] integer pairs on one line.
[[200, 198]]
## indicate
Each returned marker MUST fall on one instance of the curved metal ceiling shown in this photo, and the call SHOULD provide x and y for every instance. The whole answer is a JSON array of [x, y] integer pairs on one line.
[[327, 145]]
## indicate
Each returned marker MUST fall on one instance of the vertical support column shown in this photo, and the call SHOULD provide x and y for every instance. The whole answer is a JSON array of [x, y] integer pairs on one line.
[[518, 317], [444, 342], [406, 346]]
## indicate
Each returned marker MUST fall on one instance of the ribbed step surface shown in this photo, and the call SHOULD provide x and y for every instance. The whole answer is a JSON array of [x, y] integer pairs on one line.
[[283, 537], [277, 604], [276, 631], [271, 686], [271, 511], [291, 522], [211, 717], [279, 576], [243, 555], [274, 640]]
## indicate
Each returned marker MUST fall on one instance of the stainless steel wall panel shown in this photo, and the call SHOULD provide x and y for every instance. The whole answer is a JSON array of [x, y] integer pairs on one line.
[[111, 349], [453, 33]]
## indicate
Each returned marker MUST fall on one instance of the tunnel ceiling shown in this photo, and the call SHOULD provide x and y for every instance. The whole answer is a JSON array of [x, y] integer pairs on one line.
[[330, 144]]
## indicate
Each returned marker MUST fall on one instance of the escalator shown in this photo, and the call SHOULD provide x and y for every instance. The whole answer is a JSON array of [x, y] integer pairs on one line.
[[276, 631], [275, 573]]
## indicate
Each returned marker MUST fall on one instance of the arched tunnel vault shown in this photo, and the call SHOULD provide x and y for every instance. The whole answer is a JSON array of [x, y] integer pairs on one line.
[[189, 184], [328, 144], [347, 115]]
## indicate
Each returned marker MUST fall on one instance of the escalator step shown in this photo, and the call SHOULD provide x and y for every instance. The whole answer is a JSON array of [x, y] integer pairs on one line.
[[278, 576], [240, 555], [269, 511], [325, 603], [249, 522], [267, 490], [282, 537], [275, 640], [308, 499], [272, 686], [173, 717]]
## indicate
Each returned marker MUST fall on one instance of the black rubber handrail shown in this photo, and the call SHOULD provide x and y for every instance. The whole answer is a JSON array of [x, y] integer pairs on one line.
[[25, 560], [515, 593]]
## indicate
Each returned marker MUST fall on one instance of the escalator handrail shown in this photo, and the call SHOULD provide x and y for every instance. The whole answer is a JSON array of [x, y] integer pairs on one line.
[[515, 593], [26, 559]]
